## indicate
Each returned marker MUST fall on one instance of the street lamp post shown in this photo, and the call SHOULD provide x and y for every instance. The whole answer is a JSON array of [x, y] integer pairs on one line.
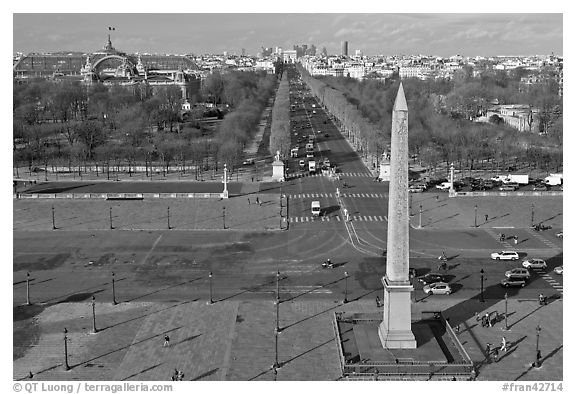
[[278, 301], [345, 287], [506, 311], [420, 221], [111, 227], [28, 289], [168, 218], [532, 216], [475, 216], [224, 217], [113, 290], [538, 356], [66, 366], [53, 220], [210, 284], [482, 285], [94, 315]]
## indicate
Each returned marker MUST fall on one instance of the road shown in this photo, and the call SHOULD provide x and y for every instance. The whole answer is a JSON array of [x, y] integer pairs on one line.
[[165, 265]]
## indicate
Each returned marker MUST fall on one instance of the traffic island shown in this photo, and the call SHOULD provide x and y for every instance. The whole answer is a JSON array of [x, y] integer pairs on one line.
[[439, 355]]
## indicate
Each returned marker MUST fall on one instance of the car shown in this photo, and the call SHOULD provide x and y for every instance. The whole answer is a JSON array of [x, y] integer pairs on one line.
[[560, 234], [540, 187], [437, 288], [248, 162], [534, 263], [505, 255], [509, 187], [431, 278], [326, 135], [416, 188], [513, 282], [559, 270], [302, 163], [444, 186], [518, 273]]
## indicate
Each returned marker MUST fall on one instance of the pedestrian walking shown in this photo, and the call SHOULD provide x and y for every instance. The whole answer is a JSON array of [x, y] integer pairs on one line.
[[485, 218], [488, 349], [495, 353], [248, 201], [437, 197], [457, 328], [180, 376], [504, 346], [515, 240], [487, 318], [166, 341], [258, 201]]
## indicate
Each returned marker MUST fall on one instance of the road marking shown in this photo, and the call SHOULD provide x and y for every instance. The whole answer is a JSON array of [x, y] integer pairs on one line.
[[151, 249]]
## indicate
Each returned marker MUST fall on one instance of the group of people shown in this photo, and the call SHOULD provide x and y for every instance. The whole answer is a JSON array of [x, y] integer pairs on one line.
[[495, 352], [502, 238], [177, 375]]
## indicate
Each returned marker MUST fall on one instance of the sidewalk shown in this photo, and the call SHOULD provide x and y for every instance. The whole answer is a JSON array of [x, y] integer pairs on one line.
[[234, 340]]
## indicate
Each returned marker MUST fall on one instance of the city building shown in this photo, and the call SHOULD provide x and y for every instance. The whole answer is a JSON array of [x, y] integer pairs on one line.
[[344, 49]]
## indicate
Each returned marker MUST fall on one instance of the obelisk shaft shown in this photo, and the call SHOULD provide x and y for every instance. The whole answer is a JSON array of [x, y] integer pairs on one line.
[[398, 215], [395, 331]]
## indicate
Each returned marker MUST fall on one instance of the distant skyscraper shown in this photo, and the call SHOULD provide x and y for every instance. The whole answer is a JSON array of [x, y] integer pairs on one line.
[[324, 51], [225, 53], [311, 51], [358, 53], [344, 51], [243, 52]]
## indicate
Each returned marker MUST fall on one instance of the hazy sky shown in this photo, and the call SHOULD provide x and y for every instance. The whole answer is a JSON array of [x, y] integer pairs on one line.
[[376, 33]]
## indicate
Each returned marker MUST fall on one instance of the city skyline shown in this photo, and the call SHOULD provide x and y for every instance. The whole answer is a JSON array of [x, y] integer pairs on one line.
[[373, 34]]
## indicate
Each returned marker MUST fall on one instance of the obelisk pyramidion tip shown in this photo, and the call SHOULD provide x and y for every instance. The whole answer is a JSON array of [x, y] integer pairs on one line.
[[400, 103]]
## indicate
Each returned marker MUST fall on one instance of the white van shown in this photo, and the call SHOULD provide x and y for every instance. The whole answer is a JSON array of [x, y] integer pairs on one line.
[[315, 208]]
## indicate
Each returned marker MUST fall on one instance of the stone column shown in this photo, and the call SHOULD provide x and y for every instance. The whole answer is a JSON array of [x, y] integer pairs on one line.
[[395, 331]]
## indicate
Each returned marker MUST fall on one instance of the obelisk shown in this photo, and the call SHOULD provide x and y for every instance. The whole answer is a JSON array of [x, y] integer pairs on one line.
[[395, 331]]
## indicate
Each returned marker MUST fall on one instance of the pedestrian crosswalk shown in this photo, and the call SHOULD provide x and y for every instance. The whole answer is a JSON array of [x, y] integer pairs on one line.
[[337, 218], [343, 195], [341, 174], [551, 281], [544, 240]]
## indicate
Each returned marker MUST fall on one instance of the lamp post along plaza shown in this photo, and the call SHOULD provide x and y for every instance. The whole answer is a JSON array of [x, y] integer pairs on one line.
[[28, 289], [210, 285], [66, 366], [53, 220], [113, 290], [532, 216], [538, 357], [111, 219], [168, 218], [225, 181], [345, 287], [475, 216], [482, 285], [506, 311], [420, 221], [94, 314]]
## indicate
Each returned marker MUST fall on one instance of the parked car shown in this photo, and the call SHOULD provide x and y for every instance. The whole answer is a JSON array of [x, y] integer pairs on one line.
[[541, 187], [444, 186], [416, 188], [431, 278], [437, 288], [505, 255], [534, 263], [513, 282], [559, 270], [248, 162], [518, 273], [509, 187]]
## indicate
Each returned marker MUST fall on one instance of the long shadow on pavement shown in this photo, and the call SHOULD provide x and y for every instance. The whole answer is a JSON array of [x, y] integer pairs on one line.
[[162, 289]]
